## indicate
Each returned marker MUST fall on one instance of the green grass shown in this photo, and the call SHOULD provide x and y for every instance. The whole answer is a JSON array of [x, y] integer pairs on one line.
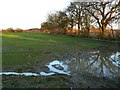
[[30, 48]]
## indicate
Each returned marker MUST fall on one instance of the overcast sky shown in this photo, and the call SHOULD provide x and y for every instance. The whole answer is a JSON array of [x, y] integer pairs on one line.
[[27, 13]]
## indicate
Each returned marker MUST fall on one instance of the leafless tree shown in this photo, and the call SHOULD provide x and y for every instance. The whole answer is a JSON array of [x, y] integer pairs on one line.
[[79, 16], [105, 12], [58, 21]]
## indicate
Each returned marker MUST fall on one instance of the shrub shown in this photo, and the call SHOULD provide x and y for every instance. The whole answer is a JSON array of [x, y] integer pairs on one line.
[[18, 30], [117, 36], [9, 30]]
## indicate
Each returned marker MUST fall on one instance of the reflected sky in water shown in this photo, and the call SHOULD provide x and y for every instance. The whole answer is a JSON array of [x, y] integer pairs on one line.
[[95, 63]]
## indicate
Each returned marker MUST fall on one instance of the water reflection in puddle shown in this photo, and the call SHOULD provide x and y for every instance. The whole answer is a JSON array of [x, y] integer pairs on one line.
[[115, 58], [58, 67], [95, 63], [15, 73], [46, 74]]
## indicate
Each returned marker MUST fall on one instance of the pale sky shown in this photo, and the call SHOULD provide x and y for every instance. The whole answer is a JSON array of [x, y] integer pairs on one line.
[[27, 14]]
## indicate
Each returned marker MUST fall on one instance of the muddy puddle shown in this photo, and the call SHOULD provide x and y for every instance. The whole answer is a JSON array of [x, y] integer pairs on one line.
[[94, 63], [55, 67]]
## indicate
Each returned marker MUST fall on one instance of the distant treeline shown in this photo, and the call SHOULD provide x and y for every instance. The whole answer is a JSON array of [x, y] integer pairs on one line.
[[93, 33], [21, 30]]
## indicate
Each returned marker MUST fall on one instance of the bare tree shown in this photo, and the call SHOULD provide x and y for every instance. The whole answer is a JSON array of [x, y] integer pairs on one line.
[[45, 26], [63, 21], [104, 12], [79, 16], [58, 21], [71, 12]]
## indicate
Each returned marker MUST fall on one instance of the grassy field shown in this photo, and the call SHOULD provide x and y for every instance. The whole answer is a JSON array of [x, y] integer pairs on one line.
[[30, 48], [27, 51]]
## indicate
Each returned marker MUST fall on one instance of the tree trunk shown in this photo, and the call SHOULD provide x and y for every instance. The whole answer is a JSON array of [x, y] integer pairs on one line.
[[79, 18], [112, 31], [88, 30], [78, 27], [103, 30], [72, 24]]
